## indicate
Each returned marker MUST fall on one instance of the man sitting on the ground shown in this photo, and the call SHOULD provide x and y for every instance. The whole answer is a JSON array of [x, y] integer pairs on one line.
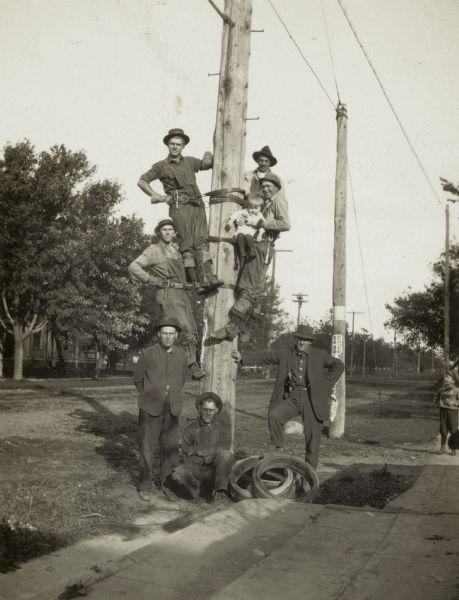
[[205, 457]]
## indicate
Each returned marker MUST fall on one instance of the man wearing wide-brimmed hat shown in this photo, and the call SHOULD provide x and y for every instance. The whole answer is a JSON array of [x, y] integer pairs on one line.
[[304, 379], [252, 281], [159, 377], [253, 179], [177, 174], [206, 456], [160, 265]]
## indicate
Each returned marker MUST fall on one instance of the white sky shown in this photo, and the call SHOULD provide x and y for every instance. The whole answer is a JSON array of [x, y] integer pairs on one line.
[[112, 76]]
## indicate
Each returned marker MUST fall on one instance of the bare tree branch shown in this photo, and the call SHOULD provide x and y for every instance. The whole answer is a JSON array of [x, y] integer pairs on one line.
[[2, 322], [29, 329], [5, 306]]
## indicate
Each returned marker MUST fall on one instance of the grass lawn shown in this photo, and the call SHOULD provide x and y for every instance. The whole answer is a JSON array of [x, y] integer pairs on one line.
[[68, 450]]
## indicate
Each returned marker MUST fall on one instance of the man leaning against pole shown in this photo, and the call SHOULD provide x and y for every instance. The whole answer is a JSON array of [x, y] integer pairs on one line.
[[304, 379], [161, 265]]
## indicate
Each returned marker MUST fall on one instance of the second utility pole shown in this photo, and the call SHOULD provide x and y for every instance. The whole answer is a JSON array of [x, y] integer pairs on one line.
[[339, 268]]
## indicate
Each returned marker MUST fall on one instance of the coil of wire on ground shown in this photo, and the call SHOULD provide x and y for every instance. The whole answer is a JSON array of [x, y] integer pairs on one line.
[[306, 479], [281, 485]]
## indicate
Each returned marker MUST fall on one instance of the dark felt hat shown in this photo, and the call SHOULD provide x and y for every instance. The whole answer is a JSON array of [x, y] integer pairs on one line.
[[304, 332], [210, 396], [166, 221], [265, 151], [168, 322], [176, 133], [273, 179]]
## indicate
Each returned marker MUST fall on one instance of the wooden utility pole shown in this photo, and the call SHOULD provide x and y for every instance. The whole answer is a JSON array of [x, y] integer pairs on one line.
[[364, 356], [299, 298], [395, 353], [339, 268], [228, 172], [446, 291]]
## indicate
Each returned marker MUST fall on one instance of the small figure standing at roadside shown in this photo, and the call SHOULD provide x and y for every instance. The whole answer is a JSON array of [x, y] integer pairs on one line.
[[205, 455], [159, 377], [447, 399], [248, 225]]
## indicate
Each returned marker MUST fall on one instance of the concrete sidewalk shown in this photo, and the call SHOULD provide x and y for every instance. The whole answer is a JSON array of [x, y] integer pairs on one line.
[[271, 549]]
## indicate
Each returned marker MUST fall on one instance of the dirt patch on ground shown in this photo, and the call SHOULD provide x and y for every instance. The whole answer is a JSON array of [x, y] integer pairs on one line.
[[362, 485]]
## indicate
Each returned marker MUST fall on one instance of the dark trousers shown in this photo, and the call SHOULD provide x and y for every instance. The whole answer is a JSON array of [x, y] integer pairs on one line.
[[190, 475], [448, 422], [245, 245], [298, 404], [159, 431]]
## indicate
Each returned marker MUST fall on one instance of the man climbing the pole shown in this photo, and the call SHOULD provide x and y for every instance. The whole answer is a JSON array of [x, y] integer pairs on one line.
[[161, 265], [177, 174], [252, 280], [253, 179]]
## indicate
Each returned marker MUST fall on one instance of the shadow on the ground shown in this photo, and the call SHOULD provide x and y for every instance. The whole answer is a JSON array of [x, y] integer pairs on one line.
[[118, 432], [367, 485]]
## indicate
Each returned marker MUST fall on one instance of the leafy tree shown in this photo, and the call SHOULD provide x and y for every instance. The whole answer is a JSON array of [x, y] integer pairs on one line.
[[97, 297], [419, 316], [63, 254], [274, 320], [35, 192]]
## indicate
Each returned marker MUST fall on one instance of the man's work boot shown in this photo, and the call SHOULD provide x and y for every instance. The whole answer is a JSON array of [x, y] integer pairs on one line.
[[169, 494], [146, 495], [211, 282], [192, 277], [220, 496], [228, 332], [196, 372]]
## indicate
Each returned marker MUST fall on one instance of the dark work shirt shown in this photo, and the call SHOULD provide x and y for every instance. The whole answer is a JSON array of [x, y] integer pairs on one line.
[[301, 368], [200, 441], [179, 174], [159, 376]]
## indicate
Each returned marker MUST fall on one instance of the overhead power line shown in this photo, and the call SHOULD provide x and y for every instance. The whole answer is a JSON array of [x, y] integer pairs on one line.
[[363, 266], [302, 55], [437, 197], [330, 50]]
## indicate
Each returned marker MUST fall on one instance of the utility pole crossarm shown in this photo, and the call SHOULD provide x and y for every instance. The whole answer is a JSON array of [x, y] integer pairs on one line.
[[300, 298]]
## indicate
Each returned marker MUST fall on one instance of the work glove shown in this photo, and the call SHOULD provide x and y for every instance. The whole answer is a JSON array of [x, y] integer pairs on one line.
[[333, 407]]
